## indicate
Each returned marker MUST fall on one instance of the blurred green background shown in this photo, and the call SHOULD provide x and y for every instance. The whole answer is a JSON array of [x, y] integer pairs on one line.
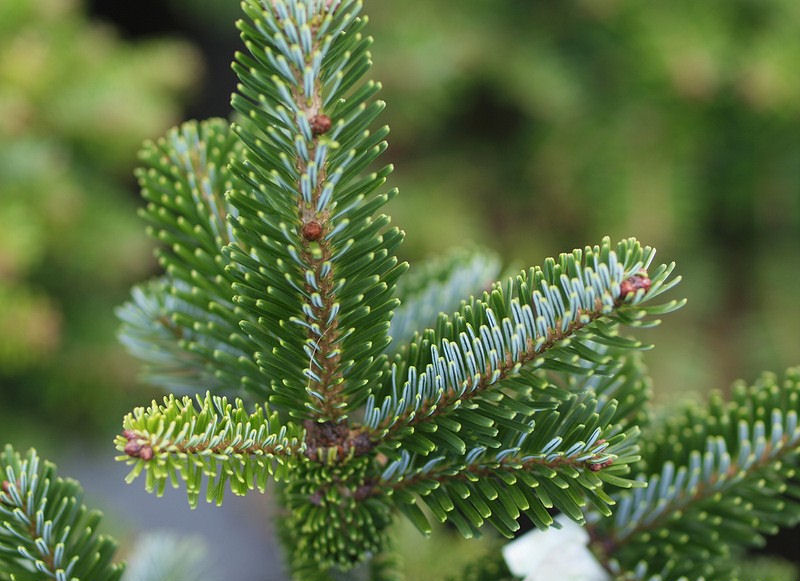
[[527, 127], [75, 103]]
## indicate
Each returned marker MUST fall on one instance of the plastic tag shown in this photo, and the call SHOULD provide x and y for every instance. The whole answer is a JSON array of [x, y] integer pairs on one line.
[[561, 554]]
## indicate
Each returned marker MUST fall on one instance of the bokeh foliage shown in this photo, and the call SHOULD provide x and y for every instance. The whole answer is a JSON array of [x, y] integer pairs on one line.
[[75, 103]]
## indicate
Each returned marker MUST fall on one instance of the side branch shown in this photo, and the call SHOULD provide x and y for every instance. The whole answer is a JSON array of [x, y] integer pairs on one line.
[[474, 385], [723, 477], [497, 487], [547, 329], [216, 439], [597, 460], [746, 451]]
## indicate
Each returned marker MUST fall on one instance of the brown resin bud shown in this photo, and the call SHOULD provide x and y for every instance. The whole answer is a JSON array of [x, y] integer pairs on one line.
[[132, 448], [312, 230], [128, 434], [6, 486], [640, 280], [320, 124], [136, 448], [601, 465]]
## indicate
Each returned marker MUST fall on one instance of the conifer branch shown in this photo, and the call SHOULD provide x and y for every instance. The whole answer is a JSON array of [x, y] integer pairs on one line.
[[45, 531], [563, 461], [551, 318], [207, 437], [185, 325], [718, 479], [281, 278], [327, 265]]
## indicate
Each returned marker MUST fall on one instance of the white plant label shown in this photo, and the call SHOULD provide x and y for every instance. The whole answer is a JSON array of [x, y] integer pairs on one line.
[[561, 554]]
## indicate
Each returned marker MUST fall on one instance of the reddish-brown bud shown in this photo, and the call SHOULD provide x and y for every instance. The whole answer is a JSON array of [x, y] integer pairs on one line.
[[320, 124], [6, 486], [129, 434], [137, 448], [640, 280], [601, 465], [132, 448], [312, 230]]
